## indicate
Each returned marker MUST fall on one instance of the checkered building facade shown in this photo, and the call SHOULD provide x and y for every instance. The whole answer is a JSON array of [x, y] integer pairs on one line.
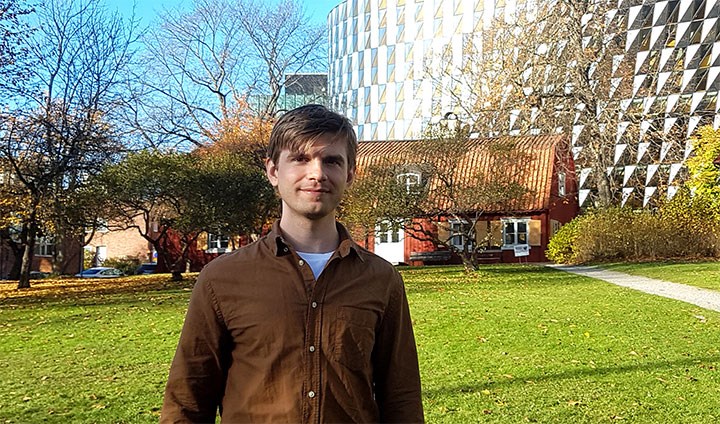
[[381, 50]]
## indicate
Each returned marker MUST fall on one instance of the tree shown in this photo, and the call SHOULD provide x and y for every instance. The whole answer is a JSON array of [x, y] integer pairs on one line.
[[13, 34], [60, 129], [445, 177], [562, 66], [704, 167], [205, 65], [170, 198]]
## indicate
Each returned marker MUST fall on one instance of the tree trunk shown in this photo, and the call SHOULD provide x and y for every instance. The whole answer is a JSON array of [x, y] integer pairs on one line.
[[17, 252], [468, 258], [28, 238], [604, 194], [27, 258]]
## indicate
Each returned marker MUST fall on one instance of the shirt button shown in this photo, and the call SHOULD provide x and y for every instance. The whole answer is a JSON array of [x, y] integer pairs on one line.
[[311, 394], [301, 262], [312, 348], [314, 305], [285, 249]]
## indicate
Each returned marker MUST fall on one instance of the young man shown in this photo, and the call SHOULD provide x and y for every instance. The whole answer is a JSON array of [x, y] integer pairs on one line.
[[302, 326]]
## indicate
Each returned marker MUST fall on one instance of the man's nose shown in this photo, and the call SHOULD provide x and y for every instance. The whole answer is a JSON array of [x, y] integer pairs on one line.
[[316, 170]]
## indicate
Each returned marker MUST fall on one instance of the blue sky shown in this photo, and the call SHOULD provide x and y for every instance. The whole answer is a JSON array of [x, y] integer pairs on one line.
[[147, 10]]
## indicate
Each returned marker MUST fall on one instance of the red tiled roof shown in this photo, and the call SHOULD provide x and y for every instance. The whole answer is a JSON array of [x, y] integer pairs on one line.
[[534, 173]]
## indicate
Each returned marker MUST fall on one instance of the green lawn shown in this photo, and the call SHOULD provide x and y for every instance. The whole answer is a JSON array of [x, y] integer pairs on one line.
[[700, 274], [506, 344]]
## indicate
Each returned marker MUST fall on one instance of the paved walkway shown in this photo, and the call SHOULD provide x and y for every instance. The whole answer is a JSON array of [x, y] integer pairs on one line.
[[708, 299]]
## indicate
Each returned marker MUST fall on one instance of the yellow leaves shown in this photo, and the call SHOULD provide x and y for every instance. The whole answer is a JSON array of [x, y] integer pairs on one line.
[[240, 130], [67, 288]]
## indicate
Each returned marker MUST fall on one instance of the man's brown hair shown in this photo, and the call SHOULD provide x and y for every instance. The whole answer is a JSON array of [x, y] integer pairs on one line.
[[303, 125]]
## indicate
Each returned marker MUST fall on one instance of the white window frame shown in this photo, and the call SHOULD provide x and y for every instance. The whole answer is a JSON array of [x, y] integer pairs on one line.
[[45, 246], [517, 241], [409, 179], [387, 232], [562, 187], [554, 227], [217, 243], [457, 229]]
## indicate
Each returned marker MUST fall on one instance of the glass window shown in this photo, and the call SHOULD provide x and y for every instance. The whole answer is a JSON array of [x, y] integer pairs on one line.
[[45, 246], [217, 243], [388, 232], [458, 232], [515, 232], [409, 180]]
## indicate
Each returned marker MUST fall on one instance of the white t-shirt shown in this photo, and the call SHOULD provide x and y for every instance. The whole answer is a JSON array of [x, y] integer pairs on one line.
[[316, 261]]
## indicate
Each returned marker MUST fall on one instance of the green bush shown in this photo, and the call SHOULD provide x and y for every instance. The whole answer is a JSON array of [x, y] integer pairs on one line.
[[561, 246], [684, 227], [127, 264]]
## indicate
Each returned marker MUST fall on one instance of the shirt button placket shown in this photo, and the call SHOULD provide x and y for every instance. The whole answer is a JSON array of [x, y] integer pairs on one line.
[[314, 384]]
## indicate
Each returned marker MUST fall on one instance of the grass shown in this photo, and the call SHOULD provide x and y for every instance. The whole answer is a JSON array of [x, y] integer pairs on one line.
[[700, 274], [88, 352], [526, 344], [506, 344]]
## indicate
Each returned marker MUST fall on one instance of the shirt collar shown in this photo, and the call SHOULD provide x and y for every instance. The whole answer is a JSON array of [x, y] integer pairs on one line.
[[280, 247]]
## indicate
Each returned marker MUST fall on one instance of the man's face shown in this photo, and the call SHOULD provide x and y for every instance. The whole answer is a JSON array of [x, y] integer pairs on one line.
[[311, 183]]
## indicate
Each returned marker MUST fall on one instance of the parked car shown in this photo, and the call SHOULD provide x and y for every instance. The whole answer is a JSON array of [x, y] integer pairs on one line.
[[37, 275], [148, 268], [100, 272]]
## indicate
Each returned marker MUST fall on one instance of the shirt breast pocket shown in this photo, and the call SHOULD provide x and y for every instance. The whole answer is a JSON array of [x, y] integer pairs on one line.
[[353, 337]]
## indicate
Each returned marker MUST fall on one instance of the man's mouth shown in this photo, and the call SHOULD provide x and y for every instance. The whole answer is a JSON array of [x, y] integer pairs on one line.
[[315, 190]]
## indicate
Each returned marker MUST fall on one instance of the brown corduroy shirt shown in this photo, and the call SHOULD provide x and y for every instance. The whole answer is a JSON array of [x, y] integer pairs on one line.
[[267, 343]]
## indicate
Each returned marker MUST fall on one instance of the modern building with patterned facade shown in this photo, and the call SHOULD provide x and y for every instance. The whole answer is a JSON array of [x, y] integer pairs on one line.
[[384, 55]]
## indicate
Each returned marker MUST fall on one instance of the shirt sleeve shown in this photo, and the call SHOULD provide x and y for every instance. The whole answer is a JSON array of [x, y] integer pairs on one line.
[[397, 375], [198, 372]]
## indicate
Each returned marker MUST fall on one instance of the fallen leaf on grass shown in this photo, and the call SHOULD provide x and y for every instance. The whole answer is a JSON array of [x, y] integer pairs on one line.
[[574, 403], [67, 288]]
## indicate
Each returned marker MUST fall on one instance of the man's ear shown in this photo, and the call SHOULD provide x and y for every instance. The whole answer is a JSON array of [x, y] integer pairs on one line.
[[350, 176], [271, 172]]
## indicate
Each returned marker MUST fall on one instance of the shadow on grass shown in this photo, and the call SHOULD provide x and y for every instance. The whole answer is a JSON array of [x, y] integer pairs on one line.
[[567, 375], [491, 277]]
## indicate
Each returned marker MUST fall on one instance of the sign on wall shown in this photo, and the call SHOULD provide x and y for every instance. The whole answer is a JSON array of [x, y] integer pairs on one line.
[[521, 250]]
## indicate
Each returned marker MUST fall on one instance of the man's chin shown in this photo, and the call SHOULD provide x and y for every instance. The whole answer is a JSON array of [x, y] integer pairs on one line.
[[316, 216]]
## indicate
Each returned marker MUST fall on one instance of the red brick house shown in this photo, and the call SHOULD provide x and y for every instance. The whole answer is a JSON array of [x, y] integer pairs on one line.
[[45, 256], [504, 233], [547, 172]]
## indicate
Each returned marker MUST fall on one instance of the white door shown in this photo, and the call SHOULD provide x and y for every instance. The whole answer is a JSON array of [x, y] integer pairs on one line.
[[390, 242]]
